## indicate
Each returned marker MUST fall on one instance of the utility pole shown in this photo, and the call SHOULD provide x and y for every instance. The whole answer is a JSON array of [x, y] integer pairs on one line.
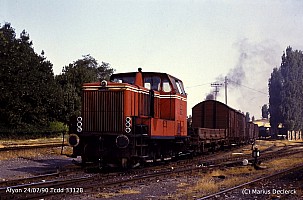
[[216, 86], [225, 83]]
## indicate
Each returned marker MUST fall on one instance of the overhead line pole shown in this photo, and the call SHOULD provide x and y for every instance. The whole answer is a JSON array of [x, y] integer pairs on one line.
[[225, 83], [216, 86]]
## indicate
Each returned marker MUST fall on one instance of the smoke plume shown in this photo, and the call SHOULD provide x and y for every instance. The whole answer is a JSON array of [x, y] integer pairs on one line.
[[248, 79]]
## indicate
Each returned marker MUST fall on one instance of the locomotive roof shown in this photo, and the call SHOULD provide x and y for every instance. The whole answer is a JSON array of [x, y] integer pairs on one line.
[[144, 74]]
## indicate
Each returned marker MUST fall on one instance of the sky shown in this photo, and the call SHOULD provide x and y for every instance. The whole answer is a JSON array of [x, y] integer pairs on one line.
[[200, 42]]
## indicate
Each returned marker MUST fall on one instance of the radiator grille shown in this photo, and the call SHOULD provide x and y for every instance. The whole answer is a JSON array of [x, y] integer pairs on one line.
[[102, 111]]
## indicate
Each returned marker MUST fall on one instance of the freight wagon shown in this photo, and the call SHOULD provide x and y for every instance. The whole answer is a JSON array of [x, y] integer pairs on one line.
[[211, 115]]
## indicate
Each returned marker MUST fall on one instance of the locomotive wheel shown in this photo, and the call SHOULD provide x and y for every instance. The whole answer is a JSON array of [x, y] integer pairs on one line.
[[124, 163], [83, 156], [84, 160], [135, 162], [88, 154]]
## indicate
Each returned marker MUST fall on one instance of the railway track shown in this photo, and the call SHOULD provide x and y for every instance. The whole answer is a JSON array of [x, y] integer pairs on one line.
[[97, 182], [69, 171], [30, 147], [246, 191]]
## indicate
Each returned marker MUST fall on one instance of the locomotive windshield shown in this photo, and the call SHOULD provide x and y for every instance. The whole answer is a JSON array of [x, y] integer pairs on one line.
[[178, 85], [166, 86], [123, 78], [180, 88], [152, 82]]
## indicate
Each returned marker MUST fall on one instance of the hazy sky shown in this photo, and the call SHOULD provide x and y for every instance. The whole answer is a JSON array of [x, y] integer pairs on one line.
[[197, 41]]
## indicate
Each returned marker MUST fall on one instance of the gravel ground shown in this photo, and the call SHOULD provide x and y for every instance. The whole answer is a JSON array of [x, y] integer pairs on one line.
[[21, 167], [155, 189], [162, 188], [289, 186]]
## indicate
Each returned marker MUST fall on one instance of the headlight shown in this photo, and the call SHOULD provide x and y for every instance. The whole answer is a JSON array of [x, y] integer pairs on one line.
[[122, 141], [79, 124], [128, 130], [73, 140], [128, 124], [103, 83]]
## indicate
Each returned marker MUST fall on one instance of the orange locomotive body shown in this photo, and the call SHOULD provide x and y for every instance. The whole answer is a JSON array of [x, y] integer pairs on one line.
[[135, 117]]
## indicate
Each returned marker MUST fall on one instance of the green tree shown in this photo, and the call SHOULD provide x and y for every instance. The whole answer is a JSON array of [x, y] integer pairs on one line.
[[247, 117], [275, 86], [28, 90], [73, 76], [265, 111], [286, 91], [291, 94]]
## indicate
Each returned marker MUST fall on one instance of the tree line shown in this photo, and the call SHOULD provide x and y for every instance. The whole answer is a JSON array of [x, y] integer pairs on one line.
[[286, 92], [31, 96]]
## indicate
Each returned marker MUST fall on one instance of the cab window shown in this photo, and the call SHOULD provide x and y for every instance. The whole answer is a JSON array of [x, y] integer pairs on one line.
[[123, 79], [180, 87], [152, 82], [166, 86]]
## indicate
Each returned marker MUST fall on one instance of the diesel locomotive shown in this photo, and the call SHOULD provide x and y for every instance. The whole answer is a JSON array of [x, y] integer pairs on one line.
[[135, 117], [141, 117]]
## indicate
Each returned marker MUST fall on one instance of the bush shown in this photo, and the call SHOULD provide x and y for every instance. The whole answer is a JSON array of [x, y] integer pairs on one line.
[[32, 132], [57, 126]]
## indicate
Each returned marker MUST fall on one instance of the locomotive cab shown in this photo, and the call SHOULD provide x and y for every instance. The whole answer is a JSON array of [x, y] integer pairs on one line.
[[133, 118]]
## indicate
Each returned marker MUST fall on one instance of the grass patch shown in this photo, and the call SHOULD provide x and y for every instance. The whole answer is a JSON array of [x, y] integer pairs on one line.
[[216, 180], [107, 195], [206, 184], [43, 140], [53, 129], [284, 163], [31, 153], [181, 185]]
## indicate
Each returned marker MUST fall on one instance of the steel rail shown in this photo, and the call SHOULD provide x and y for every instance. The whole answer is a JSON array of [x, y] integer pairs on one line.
[[103, 181], [25, 147], [251, 182]]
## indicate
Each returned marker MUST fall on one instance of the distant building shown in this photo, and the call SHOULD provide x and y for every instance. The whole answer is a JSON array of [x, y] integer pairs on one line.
[[262, 122], [264, 128], [265, 131], [295, 135]]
